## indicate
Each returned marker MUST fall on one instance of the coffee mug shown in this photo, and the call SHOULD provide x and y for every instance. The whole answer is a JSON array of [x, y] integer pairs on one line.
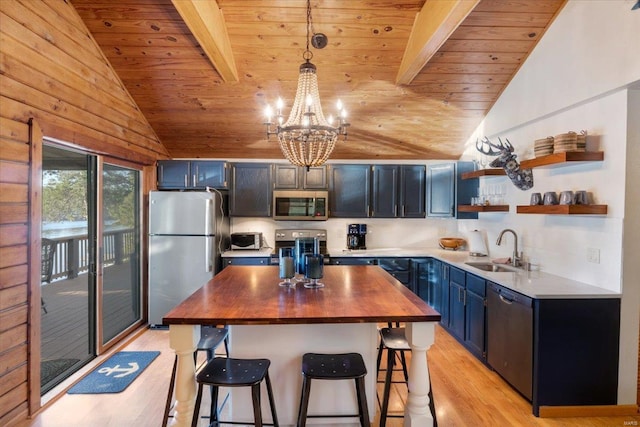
[[550, 198], [581, 198], [536, 199], [566, 197]]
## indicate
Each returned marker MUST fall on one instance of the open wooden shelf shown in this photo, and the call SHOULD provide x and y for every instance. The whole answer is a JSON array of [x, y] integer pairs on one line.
[[487, 208], [563, 209], [560, 158], [483, 172]]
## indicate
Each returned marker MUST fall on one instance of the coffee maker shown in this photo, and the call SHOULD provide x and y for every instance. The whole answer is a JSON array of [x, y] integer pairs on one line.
[[356, 236]]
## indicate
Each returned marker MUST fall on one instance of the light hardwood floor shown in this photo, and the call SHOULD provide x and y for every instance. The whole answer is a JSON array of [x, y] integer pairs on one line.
[[466, 393]]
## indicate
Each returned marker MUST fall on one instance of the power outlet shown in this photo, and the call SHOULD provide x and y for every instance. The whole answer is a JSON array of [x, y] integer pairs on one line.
[[593, 255]]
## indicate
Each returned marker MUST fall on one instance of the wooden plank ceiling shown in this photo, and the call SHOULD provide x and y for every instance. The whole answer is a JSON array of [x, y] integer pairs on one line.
[[196, 113]]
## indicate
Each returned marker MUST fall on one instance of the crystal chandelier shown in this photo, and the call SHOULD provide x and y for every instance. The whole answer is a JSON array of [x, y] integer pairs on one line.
[[307, 138]]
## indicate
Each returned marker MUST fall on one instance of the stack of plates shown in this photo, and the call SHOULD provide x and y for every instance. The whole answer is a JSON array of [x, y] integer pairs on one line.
[[581, 141], [543, 147], [565, 142]]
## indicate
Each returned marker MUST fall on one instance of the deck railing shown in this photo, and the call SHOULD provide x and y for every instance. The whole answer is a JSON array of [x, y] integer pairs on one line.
[[72, 254]]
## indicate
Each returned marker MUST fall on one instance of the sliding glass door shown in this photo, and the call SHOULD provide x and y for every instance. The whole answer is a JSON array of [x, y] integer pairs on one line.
[[91, 275], [120, 291]]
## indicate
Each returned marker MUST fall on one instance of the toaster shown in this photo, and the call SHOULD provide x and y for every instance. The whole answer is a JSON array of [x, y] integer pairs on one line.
[[246, 241]]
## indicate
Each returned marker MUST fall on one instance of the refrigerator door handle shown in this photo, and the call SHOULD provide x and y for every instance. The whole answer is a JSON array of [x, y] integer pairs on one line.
[[208, 216], [208, 243]]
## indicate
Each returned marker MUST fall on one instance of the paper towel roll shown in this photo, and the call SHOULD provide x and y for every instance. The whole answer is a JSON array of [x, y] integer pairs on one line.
[[477, 246]]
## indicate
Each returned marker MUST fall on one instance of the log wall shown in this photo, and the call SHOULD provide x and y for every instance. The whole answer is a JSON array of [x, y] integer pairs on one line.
[[52, 74]]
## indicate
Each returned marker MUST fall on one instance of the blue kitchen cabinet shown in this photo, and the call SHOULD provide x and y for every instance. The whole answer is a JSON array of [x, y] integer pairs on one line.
[[398, 191], [349, 195], [428, 283], [400, 268], [251, 189], [446, 190], [192, 174], [475, 315], [291, 177], [457, 280]]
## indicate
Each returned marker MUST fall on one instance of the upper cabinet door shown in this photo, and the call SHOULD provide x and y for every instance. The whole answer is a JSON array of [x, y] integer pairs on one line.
[[286, 177], [349, 195], [209, 174], [385, 191], [173, 174], [315, 178], [441, 180], [252, 190], [192, 174], [291, 177], [412, 191]]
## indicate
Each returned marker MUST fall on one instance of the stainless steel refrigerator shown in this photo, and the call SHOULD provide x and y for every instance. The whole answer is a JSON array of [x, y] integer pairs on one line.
[[188, 231]]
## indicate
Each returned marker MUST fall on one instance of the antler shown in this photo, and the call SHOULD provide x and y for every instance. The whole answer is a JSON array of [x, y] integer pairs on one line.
[[501, 147]]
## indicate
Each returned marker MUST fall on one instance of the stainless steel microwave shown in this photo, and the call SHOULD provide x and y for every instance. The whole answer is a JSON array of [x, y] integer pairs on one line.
[[300, 205]]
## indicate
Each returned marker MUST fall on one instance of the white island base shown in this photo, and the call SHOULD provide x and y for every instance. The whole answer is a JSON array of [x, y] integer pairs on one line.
[[284, 345]]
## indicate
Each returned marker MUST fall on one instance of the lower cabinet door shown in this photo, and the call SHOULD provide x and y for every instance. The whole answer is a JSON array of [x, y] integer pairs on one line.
[[475, 323], [456, 310]]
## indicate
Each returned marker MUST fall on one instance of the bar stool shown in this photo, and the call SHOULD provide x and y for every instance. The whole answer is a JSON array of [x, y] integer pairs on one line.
[[333, 367], [393, 340], [210, 338], [229, 372]]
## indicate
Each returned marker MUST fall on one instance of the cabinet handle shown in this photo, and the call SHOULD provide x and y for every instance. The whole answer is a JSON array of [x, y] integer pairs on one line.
[[464, 297], [403, 211], [186, 180], [395, 210], [194, 179]]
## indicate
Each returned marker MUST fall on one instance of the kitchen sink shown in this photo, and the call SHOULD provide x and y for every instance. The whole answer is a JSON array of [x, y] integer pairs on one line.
[[494, 268]]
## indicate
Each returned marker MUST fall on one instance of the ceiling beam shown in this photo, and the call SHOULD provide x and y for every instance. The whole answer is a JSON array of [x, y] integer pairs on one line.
[[433, 25], [206, 22]]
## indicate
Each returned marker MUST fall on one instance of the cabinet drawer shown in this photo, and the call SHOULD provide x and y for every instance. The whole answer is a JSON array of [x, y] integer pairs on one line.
[[401, 276], [476, 285], [395, 264], [457, 276], [247, 261], [352, 261]]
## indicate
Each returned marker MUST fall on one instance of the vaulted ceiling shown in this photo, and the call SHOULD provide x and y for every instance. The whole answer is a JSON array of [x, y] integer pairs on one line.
[[416, 77]]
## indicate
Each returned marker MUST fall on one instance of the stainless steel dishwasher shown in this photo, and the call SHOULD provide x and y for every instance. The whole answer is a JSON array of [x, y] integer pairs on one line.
[[510, 337]]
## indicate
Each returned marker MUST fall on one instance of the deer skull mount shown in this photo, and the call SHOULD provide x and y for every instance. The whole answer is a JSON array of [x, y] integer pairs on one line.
[[521, 178]]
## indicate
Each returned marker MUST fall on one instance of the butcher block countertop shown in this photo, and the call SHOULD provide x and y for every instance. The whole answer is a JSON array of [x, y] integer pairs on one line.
[[250, 295]]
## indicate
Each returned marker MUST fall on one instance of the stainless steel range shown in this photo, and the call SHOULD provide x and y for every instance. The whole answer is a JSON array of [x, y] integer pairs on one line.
[[286, 238]]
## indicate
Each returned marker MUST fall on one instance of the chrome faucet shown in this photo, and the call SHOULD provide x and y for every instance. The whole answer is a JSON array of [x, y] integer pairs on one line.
[[516, 257]]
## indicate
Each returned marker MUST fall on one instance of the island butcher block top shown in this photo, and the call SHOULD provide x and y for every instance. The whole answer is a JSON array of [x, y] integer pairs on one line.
[[250, 295]]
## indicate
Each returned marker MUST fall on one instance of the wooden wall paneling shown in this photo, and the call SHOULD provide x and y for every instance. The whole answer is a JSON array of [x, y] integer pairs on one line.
[[14, 289], [35, 256], [80, 136]]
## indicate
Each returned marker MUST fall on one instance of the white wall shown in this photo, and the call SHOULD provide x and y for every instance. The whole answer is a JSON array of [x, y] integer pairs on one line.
[[578, 78]]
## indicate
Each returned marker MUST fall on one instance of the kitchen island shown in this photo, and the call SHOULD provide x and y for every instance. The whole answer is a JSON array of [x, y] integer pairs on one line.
[[282, 323]]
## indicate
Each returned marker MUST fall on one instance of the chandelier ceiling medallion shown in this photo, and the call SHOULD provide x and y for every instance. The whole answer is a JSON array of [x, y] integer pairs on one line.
[[307, 138]]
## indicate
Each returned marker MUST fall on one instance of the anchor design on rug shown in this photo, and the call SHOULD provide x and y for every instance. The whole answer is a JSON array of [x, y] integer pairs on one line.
[[125, 371]]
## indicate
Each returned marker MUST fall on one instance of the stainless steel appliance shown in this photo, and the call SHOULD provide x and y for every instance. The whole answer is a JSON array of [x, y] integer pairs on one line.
[[356, 236], [510, 337], [249, 241], [301, 205], [286, 238], [187, 233]]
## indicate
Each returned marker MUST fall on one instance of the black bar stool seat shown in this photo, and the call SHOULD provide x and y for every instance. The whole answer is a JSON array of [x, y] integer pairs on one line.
[[230, 372], [344, 366], [394, 340]]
